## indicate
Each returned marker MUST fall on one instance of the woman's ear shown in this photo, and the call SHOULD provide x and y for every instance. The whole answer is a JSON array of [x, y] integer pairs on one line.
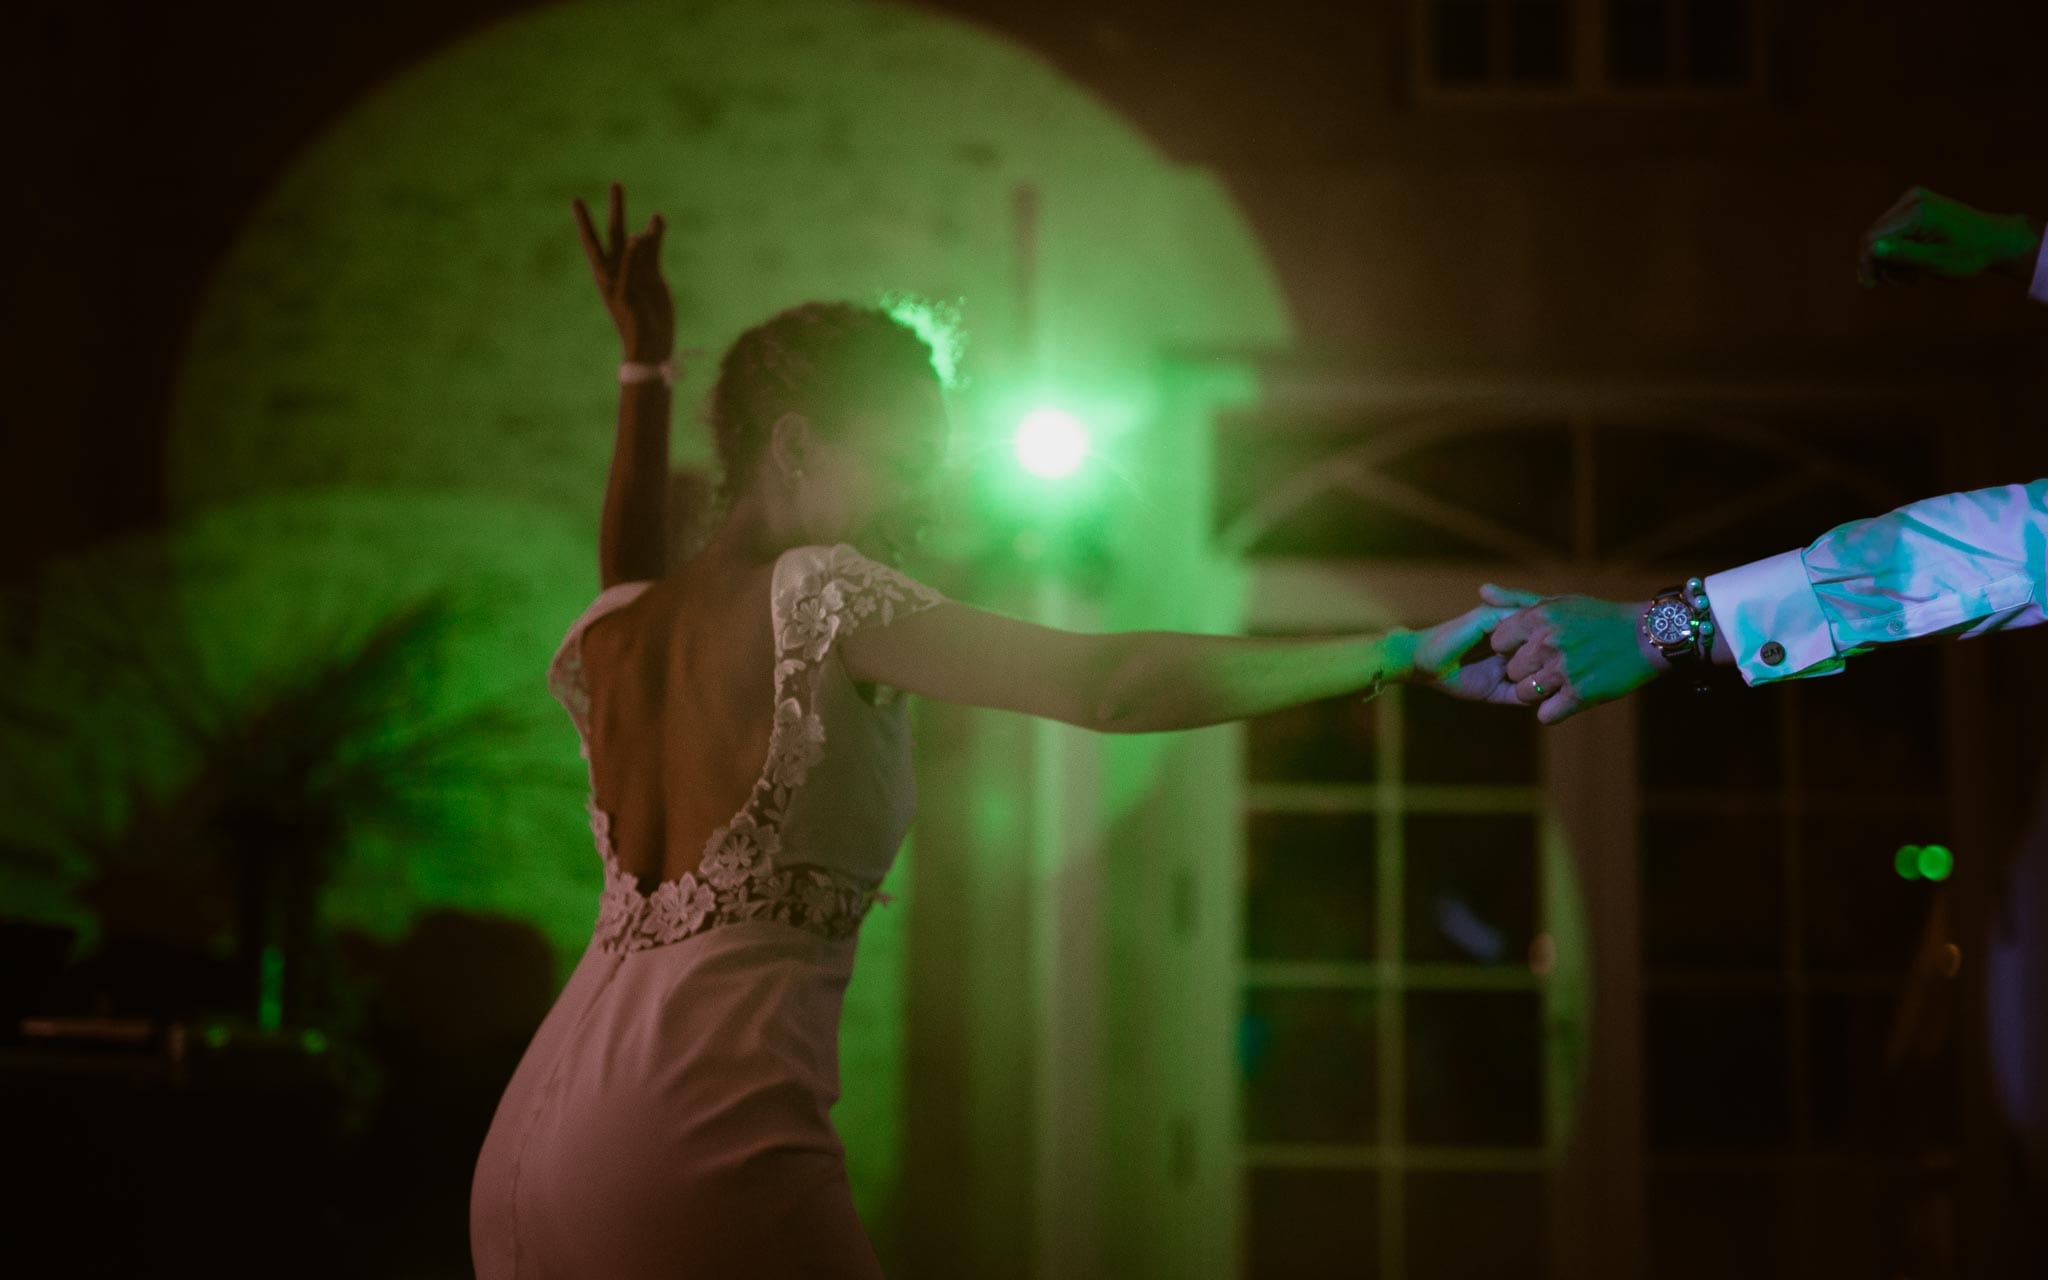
[[789, 441]]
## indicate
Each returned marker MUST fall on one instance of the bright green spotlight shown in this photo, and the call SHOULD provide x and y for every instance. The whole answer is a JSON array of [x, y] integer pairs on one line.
[[1936, 862], [1051, 443]]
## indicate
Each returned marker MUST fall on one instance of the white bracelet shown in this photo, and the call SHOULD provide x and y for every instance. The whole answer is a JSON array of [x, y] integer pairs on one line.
[[633, 371]]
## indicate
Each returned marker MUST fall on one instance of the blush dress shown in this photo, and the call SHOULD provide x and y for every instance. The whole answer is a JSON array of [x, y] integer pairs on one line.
[[671, 1115]]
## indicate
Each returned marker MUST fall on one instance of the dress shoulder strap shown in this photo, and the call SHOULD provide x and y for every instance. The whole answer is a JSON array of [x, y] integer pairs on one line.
[[565, 673], [823, 592]]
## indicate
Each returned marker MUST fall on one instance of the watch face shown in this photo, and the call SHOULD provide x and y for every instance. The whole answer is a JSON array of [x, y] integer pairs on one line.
[[1670, 622]]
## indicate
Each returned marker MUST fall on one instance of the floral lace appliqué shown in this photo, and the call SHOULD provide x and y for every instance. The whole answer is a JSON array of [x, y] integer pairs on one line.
[[738, 877]]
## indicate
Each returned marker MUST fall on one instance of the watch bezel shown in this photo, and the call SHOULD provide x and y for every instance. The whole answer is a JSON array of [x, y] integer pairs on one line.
[[1675, 611]]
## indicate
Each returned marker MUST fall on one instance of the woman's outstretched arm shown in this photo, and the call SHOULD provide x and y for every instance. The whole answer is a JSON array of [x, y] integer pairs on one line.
[[1157, 681], [632, 536]]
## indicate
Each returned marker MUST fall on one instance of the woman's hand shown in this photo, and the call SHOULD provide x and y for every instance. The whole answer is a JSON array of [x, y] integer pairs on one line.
[[628, 274], [1454, 657]]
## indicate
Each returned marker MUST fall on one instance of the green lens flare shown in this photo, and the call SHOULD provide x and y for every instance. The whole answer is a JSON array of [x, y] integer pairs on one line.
[[1051, 443], [1907, 862], [1936, 862]]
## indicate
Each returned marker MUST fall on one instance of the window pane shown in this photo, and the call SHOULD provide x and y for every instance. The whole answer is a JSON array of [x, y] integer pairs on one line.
[[1308, 1064], [1876, 727], [1310, 886], [1637, 38], [1470, 881], [1657, 483], [1329, 741], [1508, 473], [1879, 1223], [1475, 1068], [1713, 1226], [1339, 525], [1716, 41], [1450, 741], [1861, 915], [1312, 1222], [1727, 737], [1461, 41], [1880, 1084], [1716, 1072], [1713, 892], [1536, 42], [1478, 1224]]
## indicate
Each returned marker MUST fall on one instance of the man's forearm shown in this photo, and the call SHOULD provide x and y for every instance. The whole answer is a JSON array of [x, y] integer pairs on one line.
[[2023, 254]]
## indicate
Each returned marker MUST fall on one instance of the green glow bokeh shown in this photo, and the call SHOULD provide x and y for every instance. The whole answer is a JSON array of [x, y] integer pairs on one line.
[[1924, 862]]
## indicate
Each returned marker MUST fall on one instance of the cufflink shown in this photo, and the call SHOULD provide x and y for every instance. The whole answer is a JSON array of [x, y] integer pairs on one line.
[[1772, 653]]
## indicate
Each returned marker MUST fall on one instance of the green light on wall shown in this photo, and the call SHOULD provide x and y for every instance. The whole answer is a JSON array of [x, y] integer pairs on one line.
[[1050, 443], [1924, 862], [270, 995]]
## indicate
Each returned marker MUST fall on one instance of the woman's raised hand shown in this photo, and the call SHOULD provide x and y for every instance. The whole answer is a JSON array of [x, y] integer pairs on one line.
[[628, 271]]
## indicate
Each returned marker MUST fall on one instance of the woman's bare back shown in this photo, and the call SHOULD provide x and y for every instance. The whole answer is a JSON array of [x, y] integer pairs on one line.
[[682, 700]]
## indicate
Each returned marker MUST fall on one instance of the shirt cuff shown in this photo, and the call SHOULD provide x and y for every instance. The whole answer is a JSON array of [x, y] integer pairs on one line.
[[1773, 620], [2039, 292]]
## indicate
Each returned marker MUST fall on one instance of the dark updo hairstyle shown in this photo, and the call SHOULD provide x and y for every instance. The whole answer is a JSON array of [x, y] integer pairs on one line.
[[824, 360]]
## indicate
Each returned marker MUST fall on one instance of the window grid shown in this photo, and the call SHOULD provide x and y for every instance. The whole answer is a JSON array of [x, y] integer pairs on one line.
[[1795, 1167], [1390, 976], [1300, 595]]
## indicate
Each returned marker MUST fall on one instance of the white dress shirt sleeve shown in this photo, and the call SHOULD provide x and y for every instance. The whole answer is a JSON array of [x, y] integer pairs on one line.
[[1961, 564]]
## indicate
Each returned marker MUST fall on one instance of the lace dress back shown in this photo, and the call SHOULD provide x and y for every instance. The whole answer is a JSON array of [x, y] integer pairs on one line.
[[671, 1117], [762, 864]]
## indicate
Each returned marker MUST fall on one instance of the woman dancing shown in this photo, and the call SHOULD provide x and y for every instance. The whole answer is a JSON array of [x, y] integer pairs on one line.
[[750, 782]]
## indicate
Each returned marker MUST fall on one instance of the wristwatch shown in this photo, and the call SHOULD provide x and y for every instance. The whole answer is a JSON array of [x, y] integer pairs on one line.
[[1680, 625]]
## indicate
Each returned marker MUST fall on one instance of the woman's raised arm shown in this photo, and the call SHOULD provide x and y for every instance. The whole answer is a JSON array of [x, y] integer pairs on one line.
[[1156, 681], [632, 537]]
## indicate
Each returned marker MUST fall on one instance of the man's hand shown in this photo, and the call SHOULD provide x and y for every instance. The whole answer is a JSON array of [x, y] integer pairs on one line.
[[1567, 653], [1925, 235]]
